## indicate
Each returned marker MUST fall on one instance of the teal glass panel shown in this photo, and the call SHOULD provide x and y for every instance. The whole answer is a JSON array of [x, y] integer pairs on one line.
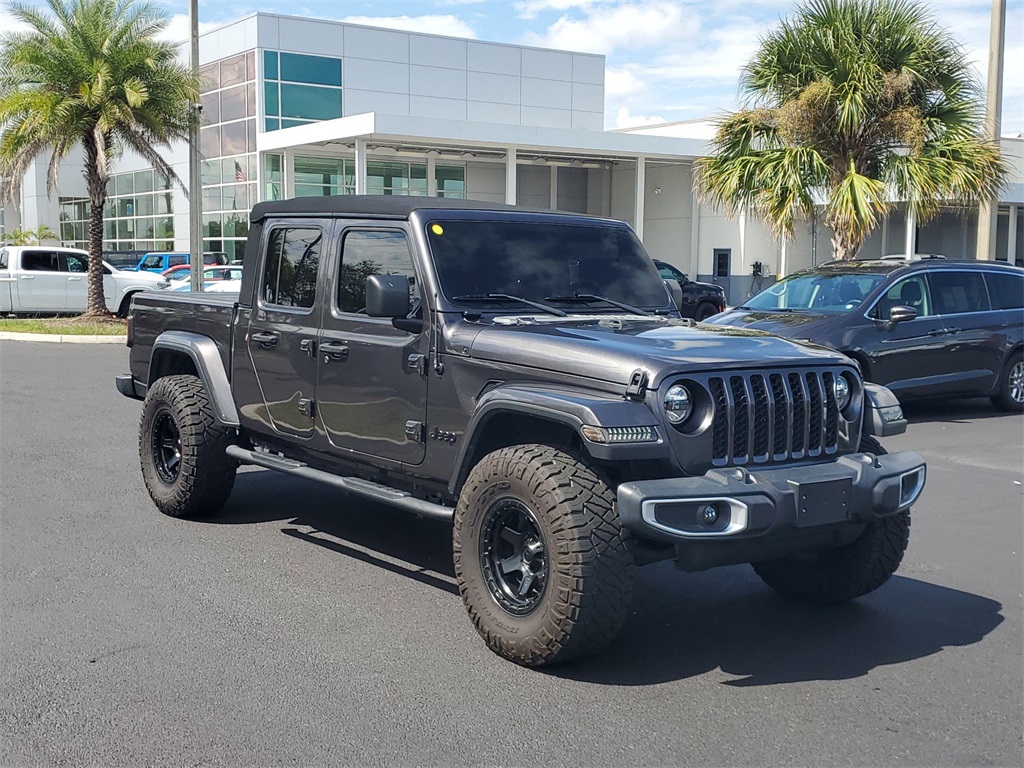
[[271, 100], [318, 70], [270, 65], [273, 124], [293, 123], [311, 103]]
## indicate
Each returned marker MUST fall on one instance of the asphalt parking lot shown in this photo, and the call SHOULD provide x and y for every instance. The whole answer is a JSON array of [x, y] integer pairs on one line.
[[303, 627]]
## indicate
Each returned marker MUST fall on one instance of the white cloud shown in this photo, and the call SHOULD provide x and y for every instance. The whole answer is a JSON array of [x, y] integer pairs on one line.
[[530, 9], [436, 24], [622, 84], [625, 120], [605, 28]]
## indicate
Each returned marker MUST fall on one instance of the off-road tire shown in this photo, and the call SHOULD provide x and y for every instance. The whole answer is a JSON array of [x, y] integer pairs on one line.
[[849, 571], [703, 311], [1009, 383], [205, 474], [589, 582], [126, 305]]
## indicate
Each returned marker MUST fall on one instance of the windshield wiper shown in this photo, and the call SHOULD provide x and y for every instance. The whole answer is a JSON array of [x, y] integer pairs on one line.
[[510, 297], [588, 297]]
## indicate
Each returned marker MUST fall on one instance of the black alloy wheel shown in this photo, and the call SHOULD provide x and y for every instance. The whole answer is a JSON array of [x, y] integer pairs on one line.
[[166, 447], [513, 556]]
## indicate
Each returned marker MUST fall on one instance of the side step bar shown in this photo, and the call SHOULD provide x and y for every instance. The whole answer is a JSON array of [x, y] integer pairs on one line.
[[355, 485]]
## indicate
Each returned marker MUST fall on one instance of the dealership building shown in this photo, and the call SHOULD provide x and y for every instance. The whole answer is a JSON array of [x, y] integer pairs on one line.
[[306, 107]]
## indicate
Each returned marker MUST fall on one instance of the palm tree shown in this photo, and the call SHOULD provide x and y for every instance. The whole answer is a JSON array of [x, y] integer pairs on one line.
[[90, 73], [853, 104]]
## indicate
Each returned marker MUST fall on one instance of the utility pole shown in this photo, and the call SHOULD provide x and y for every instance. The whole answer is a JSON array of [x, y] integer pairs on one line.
[[195, 171], [988, 210]]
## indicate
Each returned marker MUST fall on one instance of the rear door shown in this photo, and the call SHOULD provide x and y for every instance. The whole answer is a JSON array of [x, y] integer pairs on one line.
[[42, 285], [283, 326], [372, 388]]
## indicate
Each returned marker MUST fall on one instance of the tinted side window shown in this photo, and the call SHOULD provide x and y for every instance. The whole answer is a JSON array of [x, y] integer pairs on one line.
[[37, 261], [3, 259], [175, 259], [76, 263], [366, 253], [1006, 291], [153, 262], [289, 271], [909, 292], [957, 292]]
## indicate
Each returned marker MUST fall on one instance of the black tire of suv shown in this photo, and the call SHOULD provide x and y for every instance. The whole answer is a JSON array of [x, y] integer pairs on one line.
[[849, 571], [205, 473], [589, 568], [1004, 399], [704, 311]]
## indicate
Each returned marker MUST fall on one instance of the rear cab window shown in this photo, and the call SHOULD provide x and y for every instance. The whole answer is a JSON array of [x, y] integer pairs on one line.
[[40, 261], [1005, 290], [290, 267], [958, 293]]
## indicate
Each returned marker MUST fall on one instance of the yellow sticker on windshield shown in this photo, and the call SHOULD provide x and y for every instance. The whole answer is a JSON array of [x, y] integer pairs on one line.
[[437, 229]]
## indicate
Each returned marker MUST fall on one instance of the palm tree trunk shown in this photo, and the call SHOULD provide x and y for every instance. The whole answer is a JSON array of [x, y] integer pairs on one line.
[[845, 246], [96, 305]]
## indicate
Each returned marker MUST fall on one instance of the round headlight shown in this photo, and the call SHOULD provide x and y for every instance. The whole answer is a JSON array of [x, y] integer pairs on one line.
[[678, 404], [842, 391]]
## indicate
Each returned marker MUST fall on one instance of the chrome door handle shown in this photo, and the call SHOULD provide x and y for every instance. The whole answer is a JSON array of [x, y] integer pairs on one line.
[[266, 340], [28, 277], [74, 279], [334, 351], [938, 332]]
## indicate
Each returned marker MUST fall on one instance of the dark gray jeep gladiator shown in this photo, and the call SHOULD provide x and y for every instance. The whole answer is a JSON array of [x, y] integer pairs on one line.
[[526, 377]]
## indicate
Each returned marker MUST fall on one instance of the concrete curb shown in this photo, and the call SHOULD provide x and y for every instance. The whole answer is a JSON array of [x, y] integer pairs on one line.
[[62, 338]]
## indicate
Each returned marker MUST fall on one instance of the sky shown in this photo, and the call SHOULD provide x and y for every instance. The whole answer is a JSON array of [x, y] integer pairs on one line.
[[666, 60]]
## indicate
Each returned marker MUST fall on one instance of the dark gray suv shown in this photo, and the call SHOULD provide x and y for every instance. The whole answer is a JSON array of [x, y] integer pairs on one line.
[[921, 328]]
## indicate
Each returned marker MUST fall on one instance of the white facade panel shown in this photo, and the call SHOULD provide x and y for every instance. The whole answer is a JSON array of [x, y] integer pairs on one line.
[[437, 81], [229, 40], [367, 75], [378, 44], [491, 57], [487, 112], [437, 51], [268, 32], [588, 69], [356, 102], [549, 65], [310, 37], [501, 89], [587, 97], [587, 121], [547, 118], [553, 94], [430, 106]]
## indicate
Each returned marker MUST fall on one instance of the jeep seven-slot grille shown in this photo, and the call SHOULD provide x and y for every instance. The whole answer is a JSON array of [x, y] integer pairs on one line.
[[772, 417]]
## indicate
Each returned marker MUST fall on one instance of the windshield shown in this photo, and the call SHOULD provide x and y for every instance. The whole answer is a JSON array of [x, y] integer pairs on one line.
[[832, 292], [547, 263]]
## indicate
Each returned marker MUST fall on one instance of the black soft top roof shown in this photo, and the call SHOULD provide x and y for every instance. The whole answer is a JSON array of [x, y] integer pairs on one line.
[[377, 206]]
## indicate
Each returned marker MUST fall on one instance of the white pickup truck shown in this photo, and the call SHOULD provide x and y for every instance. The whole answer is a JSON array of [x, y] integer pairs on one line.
[[47, 278]]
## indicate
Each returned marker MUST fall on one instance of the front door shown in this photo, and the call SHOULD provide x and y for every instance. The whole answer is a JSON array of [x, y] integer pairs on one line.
[[372, 384], [909, 358], [76, 270], [42, 284], [281, 338]]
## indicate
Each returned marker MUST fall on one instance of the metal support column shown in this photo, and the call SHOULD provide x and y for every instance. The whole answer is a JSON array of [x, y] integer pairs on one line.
[[910, 241], [553, 195], [638, 205], [195, 169], [360, 166], [510, 176], [987, 211], [1011, 235]]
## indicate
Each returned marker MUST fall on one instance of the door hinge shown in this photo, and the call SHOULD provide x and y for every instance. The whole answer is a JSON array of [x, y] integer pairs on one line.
[[417, 362], [414, 431], [637, 385], [306, 406]]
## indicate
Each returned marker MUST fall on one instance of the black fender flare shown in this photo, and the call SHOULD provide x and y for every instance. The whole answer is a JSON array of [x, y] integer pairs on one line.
[[206, 356], [883, 415], [566, 407]]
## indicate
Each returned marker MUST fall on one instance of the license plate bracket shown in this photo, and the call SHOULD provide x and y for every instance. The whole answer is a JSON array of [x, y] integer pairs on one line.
[[821, 502]]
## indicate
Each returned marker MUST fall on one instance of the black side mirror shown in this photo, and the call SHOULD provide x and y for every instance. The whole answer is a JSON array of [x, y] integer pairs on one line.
[[675, 291], [900, 314], [387, 296]]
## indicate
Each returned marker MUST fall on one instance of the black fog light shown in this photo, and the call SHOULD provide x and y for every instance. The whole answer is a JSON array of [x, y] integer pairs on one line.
[[709, 515]]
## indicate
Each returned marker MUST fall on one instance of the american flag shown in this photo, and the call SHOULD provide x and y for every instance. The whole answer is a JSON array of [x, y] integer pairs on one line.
[[239, 173]]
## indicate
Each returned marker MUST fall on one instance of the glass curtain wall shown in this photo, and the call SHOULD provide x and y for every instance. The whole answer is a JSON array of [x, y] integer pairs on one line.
[[138, 215], [299, 89], [228, 144], [322, 176]]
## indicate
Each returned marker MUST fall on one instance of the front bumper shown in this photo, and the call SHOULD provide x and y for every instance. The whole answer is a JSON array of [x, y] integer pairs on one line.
[[771, 505]]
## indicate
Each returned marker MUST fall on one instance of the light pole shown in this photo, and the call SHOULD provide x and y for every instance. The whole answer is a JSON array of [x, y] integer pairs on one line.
[[195, 171], [988, 210]]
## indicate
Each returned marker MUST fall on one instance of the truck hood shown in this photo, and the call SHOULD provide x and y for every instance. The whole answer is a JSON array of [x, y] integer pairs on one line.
[[794, 325], [611, 348]]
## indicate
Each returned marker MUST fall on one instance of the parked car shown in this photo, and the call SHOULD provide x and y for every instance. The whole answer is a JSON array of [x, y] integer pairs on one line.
[[161, 262], [181, 275], [520, 375], [699, 300], [42, 279], [923, 328], [911, 257], [127, 260]]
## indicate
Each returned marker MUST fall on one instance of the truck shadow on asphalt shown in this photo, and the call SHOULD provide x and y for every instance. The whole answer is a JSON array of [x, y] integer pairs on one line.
[[680, 625], [955, 411]]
